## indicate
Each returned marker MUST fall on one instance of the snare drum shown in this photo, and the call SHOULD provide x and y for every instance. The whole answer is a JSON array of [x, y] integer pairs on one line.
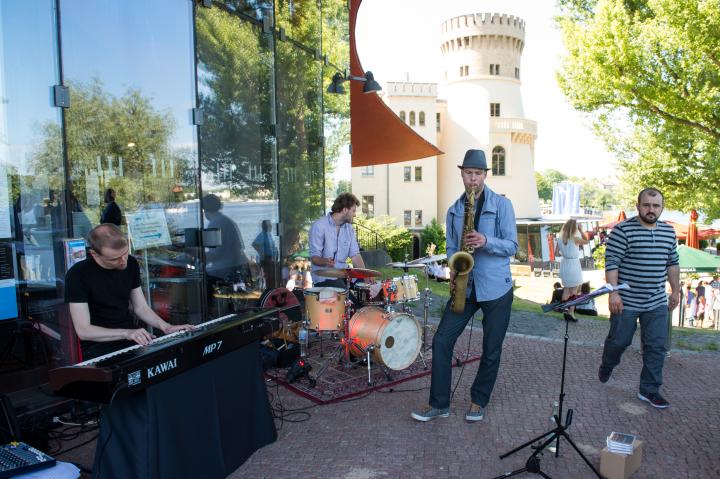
[[325, 308], [396, 336], [407, 289]]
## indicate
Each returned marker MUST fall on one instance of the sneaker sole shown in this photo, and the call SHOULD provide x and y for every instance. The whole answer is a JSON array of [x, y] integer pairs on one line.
[[474, 418], [420, 418], [643, 398]]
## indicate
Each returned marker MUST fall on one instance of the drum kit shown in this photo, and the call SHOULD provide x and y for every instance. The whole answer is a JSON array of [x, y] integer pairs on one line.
[[370, 318]]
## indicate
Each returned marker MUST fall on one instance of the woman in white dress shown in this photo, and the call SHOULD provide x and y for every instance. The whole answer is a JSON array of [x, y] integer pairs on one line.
[[569, 243]]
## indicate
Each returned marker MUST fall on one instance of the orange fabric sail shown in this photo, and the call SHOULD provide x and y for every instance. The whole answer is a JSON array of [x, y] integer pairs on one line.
[[377, 135]]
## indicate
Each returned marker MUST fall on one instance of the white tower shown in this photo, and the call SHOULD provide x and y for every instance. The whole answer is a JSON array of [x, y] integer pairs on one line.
[[483, 109]]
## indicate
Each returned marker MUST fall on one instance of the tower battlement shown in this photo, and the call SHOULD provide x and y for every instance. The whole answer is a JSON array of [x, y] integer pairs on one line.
[[485, 24]]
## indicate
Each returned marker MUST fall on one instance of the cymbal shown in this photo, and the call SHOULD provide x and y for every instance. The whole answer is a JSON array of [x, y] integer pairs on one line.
[[342, 273], [429, 259], [398, 264]]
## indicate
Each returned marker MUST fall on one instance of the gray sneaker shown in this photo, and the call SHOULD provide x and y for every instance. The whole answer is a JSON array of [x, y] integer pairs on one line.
[[475, 413], [428, 413]]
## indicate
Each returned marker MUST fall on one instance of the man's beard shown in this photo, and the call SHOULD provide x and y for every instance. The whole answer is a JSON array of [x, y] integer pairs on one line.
[[648, 220]]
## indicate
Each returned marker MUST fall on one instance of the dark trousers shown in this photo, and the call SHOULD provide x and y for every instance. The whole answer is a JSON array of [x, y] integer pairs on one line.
[[654, 332], [496, 317]]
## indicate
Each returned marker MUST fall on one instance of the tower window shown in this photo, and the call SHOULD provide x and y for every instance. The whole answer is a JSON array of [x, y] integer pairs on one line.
[[437, 121], [498, 161], [418, 217], [421, 118], [412, 118], [367, 171], [464, 70], [407, 217], [494, 69], [418, 173], [494, 109], [517, 73], [407, 172], [402, 116]]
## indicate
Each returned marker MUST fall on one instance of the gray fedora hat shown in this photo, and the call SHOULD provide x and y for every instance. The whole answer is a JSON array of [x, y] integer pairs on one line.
[[474, 159]]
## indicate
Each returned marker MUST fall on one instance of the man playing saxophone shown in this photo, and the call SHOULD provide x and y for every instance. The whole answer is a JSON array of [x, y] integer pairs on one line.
[[490, 240]]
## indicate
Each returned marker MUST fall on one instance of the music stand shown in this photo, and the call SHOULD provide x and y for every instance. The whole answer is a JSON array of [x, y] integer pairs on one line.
[[533, 462]]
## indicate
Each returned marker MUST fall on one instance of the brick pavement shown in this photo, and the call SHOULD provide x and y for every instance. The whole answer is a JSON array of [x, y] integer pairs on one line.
[[374, 437]]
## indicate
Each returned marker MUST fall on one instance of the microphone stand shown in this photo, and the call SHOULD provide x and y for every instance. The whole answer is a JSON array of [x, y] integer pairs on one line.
[[533, 463]]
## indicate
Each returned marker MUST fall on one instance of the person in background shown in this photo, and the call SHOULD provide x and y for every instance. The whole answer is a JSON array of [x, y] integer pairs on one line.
[[557, 293], [690, 305], [264, 244], [571, 239], [111, 213], [700, 314], [716, 308], [587, 308]]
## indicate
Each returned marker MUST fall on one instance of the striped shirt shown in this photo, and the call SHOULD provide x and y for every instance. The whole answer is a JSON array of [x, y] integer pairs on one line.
[[642, 256]]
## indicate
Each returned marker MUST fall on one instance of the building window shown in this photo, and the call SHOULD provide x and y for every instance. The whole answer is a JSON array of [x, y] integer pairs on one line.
[[407, 171], [498, 161], [407, 217], [437, 121], [367, 171], [418, 173], [412, 118], [421, 118], [494, 109], [494, 69], [402, 116], [464, 70], [517, 73], [418, 218], [368, 206]]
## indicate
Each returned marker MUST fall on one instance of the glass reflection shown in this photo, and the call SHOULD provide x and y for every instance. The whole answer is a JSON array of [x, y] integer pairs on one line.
[[128, 130], [235, 72], [32, 206]]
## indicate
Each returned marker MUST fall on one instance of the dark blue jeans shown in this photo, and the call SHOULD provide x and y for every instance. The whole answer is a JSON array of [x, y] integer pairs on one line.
[[496, 317], [654, 332]]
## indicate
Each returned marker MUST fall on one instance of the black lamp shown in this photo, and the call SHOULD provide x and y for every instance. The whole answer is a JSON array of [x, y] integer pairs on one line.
[[338, 78]]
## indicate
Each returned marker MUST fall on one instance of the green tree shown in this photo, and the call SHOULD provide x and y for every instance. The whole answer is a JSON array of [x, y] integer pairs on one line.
[[119, 142], [647, 72], [343, 187], [546, 181], [433, 233]]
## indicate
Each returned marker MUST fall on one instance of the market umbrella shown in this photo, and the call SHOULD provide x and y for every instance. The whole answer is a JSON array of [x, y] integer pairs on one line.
[[551, 246], [692, 234], [621, 216], [696, 261]]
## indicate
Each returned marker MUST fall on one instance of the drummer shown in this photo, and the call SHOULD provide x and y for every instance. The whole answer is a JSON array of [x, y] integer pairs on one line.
[[333, 241]]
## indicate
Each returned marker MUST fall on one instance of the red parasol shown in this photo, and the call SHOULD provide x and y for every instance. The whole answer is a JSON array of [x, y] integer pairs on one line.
[[551, 246], [692, 234]]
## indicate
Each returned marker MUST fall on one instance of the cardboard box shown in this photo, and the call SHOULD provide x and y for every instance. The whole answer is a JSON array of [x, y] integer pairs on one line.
[[620, 466]]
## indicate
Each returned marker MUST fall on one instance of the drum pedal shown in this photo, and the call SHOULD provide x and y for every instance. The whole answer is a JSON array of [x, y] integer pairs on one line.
[[299, 369]]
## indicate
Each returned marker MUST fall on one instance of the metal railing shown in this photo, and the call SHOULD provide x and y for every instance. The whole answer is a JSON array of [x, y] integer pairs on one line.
[[368, 239]]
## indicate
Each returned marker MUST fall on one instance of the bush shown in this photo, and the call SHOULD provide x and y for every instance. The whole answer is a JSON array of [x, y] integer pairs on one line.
[[433, 233], [599, 257]]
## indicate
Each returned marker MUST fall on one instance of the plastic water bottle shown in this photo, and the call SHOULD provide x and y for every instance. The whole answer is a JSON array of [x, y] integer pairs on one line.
[[302, 338], [556, 408]]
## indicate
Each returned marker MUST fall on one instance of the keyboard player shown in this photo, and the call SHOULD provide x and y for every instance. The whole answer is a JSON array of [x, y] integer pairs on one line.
[[103, 293]]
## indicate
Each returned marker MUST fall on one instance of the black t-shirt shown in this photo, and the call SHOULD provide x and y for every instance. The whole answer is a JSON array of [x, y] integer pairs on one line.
[[107, 293]]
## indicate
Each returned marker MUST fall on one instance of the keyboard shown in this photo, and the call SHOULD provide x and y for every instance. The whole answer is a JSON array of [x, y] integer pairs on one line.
[[19, 458], [137, 367]]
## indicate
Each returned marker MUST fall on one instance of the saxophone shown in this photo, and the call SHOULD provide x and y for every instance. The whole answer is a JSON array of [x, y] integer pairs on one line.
[[462, 262]]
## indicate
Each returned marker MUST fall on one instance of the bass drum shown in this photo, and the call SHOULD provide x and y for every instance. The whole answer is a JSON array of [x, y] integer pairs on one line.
[[396, 336], [290, 318]]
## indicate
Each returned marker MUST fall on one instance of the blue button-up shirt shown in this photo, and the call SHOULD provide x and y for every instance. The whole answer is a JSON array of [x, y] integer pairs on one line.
[[329, 241], [491, 274]]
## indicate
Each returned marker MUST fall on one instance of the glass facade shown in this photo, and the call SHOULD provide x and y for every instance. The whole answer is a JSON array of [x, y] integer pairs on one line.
[[199, 119]]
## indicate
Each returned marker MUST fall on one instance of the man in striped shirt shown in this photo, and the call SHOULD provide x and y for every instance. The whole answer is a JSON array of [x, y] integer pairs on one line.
[[642, 253]]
